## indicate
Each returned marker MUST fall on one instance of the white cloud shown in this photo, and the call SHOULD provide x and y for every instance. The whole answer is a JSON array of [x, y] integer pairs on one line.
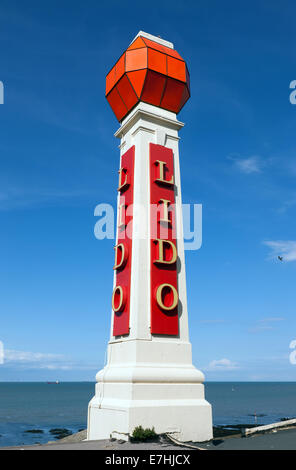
[[212, 321], [10, 355], [258, 329], [265, 324], [21, 197], [43, 361], [249, 165], [222, 364], [286, 249], [272, 319], [54, 367], [286, 205], [252, 164], [1, 353], [70, 366]]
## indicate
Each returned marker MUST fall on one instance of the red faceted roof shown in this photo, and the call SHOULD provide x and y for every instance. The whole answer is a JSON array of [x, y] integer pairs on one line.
[[149, 72]]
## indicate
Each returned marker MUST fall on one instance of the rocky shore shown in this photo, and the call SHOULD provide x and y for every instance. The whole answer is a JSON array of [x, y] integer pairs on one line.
[[225, 438]]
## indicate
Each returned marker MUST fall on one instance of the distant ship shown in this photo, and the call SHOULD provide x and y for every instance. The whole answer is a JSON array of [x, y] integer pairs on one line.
[[53, 383]]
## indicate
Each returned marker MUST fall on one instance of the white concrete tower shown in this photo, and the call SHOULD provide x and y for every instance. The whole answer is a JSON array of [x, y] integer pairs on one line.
[[149, 378]]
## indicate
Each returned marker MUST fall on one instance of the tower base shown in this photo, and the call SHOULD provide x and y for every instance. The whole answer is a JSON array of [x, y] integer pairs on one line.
[[167, 398]]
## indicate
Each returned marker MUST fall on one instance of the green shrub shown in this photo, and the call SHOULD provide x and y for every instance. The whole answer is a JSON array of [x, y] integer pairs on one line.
[[143, 435]]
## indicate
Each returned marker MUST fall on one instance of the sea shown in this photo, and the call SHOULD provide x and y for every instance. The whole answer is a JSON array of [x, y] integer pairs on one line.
[[43, 406]]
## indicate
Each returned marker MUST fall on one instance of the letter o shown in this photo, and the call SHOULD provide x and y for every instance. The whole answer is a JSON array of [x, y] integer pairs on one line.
[[118, 299], [159, 297]]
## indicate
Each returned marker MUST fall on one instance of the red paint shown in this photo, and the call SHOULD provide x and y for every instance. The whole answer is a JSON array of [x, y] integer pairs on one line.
[[162, 322], [123, 274]]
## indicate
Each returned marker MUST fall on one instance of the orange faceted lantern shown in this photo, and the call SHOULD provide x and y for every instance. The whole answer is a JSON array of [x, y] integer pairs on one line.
[[148, 72]]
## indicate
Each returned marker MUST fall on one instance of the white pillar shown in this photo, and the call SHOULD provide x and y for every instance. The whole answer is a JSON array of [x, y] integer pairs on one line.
[[149, 380]]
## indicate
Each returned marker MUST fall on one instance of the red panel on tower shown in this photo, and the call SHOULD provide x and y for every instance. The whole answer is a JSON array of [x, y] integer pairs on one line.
[[173, 94], [127, 92], [164, 282], [123, 249], [153, 88], [117, 104]]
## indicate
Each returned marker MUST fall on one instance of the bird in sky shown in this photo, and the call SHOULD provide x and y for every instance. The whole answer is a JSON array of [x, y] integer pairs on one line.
[[280, 258]]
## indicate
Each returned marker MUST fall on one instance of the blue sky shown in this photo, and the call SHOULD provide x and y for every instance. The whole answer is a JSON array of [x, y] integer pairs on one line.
[[59, 159]]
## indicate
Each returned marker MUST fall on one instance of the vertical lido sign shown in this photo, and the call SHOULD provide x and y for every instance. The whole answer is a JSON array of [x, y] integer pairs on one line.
[[164, 287], [123, 248]]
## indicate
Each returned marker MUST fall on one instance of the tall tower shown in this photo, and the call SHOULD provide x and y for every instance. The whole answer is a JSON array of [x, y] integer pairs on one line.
[[149, 379]]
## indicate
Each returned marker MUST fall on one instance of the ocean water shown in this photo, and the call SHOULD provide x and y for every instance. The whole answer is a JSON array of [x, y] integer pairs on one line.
[[25, 406]]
